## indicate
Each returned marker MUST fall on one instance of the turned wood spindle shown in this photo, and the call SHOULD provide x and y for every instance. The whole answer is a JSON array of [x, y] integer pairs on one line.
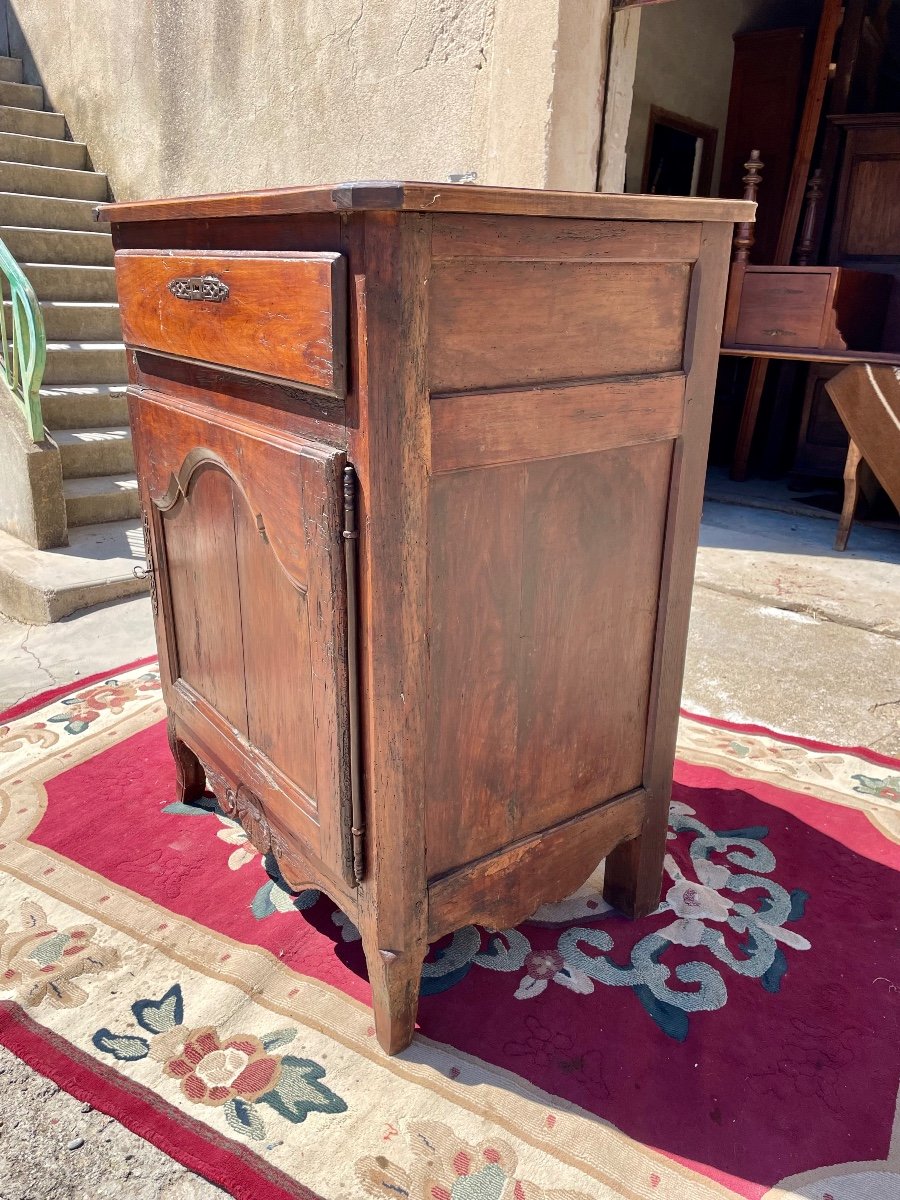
[[813, 198], [743, 234]]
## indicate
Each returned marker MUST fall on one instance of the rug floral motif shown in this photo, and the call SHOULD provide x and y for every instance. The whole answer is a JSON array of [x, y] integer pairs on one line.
[[740, 1041]]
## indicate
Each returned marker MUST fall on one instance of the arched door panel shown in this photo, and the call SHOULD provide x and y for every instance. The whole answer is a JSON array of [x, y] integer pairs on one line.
[[247, 530]]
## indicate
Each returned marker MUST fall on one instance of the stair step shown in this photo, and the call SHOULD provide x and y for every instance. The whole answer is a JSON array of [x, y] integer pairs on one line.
[[48, 212], [22, 95], [100, 451], [45, 152], [33, 121], [62, 246], [58, 281], [85, 362], [52, 181], [101, 498], [40, 586], [82, 405], [11, 70], [79, 321]]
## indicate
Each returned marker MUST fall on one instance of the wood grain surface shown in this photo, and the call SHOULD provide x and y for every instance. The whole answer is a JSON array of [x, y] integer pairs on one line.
[[480, 429], [504, 323], [392, 195], [285, 315]]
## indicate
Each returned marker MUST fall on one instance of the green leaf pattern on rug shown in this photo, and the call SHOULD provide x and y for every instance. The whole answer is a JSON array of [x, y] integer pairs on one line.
[[159, 1016], [300, 1091], [243, 1118], [121, 1046], [885, 787], [727, 867], [236, 1073]]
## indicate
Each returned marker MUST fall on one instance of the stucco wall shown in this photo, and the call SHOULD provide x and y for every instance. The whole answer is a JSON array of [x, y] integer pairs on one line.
[[685, 55], [179, 96]]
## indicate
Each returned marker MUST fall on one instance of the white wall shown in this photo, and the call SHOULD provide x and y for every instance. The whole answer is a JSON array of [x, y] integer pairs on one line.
[[182, 96]]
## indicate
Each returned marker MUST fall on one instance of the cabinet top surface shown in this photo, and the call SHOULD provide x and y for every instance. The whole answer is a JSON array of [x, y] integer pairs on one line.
[[431, 198]]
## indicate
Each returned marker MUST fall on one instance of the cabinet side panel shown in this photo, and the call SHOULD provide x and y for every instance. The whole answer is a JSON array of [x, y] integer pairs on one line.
[[504, 322], [544, 586], [475, 572], [275, 627], [201, 561], [590, 589]]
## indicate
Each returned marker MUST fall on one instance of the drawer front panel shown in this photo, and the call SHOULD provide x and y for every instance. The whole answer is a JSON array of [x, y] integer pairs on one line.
[[279, 315], [782, 308]]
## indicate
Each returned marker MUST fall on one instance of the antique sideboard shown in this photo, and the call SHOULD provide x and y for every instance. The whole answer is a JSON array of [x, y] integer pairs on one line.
[[421, 469]]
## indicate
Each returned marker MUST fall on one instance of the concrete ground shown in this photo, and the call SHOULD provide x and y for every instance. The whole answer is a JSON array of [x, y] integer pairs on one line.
[[784, 632]]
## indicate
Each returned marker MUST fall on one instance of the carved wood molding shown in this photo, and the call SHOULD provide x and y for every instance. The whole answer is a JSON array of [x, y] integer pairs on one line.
[[243, 805], [179, 488]]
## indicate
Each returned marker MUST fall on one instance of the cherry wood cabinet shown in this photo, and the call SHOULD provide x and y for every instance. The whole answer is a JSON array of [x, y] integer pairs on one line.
[[421, 470]]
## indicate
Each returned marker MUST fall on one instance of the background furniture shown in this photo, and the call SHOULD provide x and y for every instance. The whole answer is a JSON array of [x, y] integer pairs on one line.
[[865, 234], [845, 28], [421, 467], [865, 231], [815, 308], [767, 82], [868, 400]]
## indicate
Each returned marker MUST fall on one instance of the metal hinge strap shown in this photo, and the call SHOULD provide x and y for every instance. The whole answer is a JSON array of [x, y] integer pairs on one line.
[[351, 540]]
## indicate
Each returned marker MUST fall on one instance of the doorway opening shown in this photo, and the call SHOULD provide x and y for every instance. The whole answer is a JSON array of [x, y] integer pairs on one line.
[[680, 155]]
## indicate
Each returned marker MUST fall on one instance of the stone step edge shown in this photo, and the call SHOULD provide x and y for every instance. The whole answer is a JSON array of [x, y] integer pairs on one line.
[[27, 597]]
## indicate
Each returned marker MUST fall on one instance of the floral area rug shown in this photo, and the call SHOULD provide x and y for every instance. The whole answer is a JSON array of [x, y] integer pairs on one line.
[[742, 1041]]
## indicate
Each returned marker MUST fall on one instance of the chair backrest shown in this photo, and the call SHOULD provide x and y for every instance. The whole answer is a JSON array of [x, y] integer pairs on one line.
[[868, 400]]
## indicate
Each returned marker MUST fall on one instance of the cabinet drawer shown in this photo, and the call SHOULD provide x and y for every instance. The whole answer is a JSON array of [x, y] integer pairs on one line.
[[281, 315], [782, 308]]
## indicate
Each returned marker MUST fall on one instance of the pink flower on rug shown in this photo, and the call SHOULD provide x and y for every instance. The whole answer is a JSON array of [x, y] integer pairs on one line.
[[214, 1072], [542, 966]]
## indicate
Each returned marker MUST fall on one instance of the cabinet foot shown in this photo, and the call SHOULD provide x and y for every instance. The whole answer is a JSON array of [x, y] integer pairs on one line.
[[632, 879], [190, 778], [395, 976]]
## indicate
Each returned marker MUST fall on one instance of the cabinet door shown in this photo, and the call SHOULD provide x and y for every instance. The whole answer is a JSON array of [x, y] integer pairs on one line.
[[246, 528]]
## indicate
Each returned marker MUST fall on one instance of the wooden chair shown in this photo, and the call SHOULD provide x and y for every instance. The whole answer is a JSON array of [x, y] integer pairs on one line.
[[868, 400]]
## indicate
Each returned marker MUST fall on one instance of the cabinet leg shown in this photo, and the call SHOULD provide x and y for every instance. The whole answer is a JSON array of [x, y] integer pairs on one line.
[[190, 778], [632, 879], [395, 976], [851, 495]]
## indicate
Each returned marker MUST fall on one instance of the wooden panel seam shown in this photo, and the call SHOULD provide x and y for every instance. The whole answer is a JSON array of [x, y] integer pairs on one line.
[[495, 427]]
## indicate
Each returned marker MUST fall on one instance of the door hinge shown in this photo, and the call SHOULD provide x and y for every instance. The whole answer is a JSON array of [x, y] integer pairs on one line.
[[351, 542]]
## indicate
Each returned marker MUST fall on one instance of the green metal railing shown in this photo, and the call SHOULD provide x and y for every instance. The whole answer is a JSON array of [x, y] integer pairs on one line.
[[23, 349]]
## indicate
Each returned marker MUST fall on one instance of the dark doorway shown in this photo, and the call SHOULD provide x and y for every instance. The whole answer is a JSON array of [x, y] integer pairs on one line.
[[680, 155]]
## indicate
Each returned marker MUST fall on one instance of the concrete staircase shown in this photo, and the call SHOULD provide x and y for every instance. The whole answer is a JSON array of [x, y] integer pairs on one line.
[[48, 191]]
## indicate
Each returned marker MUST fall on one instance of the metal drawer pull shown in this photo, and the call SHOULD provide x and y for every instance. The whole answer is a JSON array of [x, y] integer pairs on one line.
[[199, 287]]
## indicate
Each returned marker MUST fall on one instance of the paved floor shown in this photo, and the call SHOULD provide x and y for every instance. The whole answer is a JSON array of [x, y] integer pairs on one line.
[[783, 632], [34, 658]]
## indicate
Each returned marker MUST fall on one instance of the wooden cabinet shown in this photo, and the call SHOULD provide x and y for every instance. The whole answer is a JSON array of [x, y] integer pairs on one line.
[[767, 90], [806, 308], [421, 469], [865, 232]]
